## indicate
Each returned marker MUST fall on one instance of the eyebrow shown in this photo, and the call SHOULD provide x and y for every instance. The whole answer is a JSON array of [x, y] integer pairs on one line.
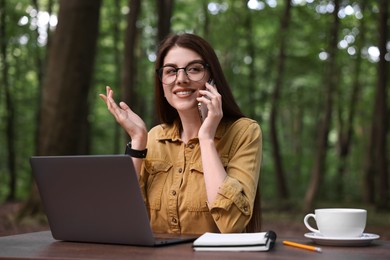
[[189, 63]]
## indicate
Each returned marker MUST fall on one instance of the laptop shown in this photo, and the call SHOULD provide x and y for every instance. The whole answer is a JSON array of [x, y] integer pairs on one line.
[[96, 199]]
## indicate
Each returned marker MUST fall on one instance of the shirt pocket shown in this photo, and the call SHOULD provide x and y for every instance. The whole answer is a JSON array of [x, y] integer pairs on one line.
[[158, 173], [196, 197]]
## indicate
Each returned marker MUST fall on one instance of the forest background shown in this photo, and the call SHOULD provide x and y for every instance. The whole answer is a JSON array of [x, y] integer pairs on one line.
[[314, 74]]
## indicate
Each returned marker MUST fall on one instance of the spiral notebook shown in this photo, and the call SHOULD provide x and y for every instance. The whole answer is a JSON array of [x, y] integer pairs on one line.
[[260, 241]]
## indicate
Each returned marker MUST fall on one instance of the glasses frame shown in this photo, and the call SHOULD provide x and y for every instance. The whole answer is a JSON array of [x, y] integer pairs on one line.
[[160, 71]]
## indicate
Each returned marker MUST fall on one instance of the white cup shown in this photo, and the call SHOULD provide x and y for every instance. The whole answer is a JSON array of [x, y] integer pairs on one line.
[[338, 222]]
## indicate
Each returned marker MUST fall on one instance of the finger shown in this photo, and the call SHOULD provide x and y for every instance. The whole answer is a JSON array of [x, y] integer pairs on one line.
[[202, 99], [124, 106], [205, 93], [103, 97], [110, 92], [112, 104], [210, 87]]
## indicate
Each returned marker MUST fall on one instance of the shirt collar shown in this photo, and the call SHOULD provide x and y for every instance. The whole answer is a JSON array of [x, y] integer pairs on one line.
[[172, 131]]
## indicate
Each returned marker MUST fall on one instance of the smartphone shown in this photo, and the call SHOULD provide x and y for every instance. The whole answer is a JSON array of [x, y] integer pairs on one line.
[[203, 111]]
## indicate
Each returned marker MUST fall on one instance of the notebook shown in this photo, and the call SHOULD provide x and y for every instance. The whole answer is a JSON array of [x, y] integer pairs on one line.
[[259, 241], [95, 199]]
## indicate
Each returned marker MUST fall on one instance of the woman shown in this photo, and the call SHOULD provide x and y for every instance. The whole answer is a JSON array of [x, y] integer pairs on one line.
[[197, 175]]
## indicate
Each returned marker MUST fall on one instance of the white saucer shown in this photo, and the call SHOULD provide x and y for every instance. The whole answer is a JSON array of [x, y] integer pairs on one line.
[[364, 240]]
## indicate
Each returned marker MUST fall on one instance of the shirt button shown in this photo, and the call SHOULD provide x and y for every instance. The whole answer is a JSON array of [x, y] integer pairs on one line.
[[180, 170], [174, 220], [191, 146], [173, 193]]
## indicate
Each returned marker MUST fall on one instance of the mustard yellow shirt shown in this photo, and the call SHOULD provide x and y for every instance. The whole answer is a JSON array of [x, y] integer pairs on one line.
[[172, 182]]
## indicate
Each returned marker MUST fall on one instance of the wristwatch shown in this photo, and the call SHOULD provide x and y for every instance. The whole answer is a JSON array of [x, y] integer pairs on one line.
[[135, 153]]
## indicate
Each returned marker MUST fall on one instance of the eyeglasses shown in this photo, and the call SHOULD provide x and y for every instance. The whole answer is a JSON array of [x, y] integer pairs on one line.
[[194, 71]]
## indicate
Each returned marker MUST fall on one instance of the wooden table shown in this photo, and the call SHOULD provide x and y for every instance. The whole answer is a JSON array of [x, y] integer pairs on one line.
[[41, 245]]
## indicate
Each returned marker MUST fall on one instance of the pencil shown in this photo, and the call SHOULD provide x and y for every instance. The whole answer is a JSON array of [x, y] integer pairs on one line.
[[311, 248]]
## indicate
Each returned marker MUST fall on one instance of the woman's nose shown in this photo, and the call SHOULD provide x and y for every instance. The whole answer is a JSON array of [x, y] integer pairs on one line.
[[181, 76]]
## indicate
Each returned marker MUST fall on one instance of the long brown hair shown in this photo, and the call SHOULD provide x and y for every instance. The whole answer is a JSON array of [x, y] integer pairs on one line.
[[166, 112], [231, 110]]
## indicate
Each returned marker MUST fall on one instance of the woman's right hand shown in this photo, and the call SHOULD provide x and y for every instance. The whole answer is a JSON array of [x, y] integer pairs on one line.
[[129, 121]]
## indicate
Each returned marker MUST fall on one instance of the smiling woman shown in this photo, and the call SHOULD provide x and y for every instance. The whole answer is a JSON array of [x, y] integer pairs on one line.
[[196, 176], [181, 90]]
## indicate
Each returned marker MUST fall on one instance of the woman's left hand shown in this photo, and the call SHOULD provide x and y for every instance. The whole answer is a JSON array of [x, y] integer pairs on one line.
[[211, 98]]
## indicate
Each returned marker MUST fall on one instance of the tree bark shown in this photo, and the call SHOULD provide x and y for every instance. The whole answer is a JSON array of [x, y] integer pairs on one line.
[[41, 61], [10, 107], [330, 78], [128, 86], [346, 130], [376, 169], [164, 10], [252, 70], [279, 171], [64, 106], [380, 117], [118, 65]]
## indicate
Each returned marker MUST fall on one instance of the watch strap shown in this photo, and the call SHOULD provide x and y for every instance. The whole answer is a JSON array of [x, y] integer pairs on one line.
[[135, 153]]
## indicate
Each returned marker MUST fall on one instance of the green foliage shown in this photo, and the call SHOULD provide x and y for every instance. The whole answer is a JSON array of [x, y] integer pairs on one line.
[[233, 29]]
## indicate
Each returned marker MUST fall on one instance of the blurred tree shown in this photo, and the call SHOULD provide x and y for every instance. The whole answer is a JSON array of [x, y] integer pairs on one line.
[[377, 164], [330, 77], [115, 23], [345, 130], [251, 50], [164, 10], [40, 60], [381, 117], [69, 72], [64, 103], [280, 74], [129, 70], [10, 106]]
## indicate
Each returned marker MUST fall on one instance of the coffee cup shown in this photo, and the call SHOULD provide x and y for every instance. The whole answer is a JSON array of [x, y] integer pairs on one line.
[[338, 222]]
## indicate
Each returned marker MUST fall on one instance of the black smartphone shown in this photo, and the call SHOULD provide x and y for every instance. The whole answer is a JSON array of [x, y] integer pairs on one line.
[[203, 111]]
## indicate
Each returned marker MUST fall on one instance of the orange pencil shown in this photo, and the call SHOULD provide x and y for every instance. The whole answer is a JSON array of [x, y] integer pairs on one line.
[[311, 248]]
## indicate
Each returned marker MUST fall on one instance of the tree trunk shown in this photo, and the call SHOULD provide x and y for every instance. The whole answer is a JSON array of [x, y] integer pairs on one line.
[[206, 24], [64, 107], [38, 56], [297, 140], [376, 170], [322, 138], [369, 170], [164, 10], [129, 65], [380, 118], [118, 65], [41, 61], [281, 182], [252, 69], [346, 130], [10, 114]]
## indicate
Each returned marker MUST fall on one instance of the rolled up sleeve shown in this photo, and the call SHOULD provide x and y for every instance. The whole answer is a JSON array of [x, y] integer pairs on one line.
[[233, 206]]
